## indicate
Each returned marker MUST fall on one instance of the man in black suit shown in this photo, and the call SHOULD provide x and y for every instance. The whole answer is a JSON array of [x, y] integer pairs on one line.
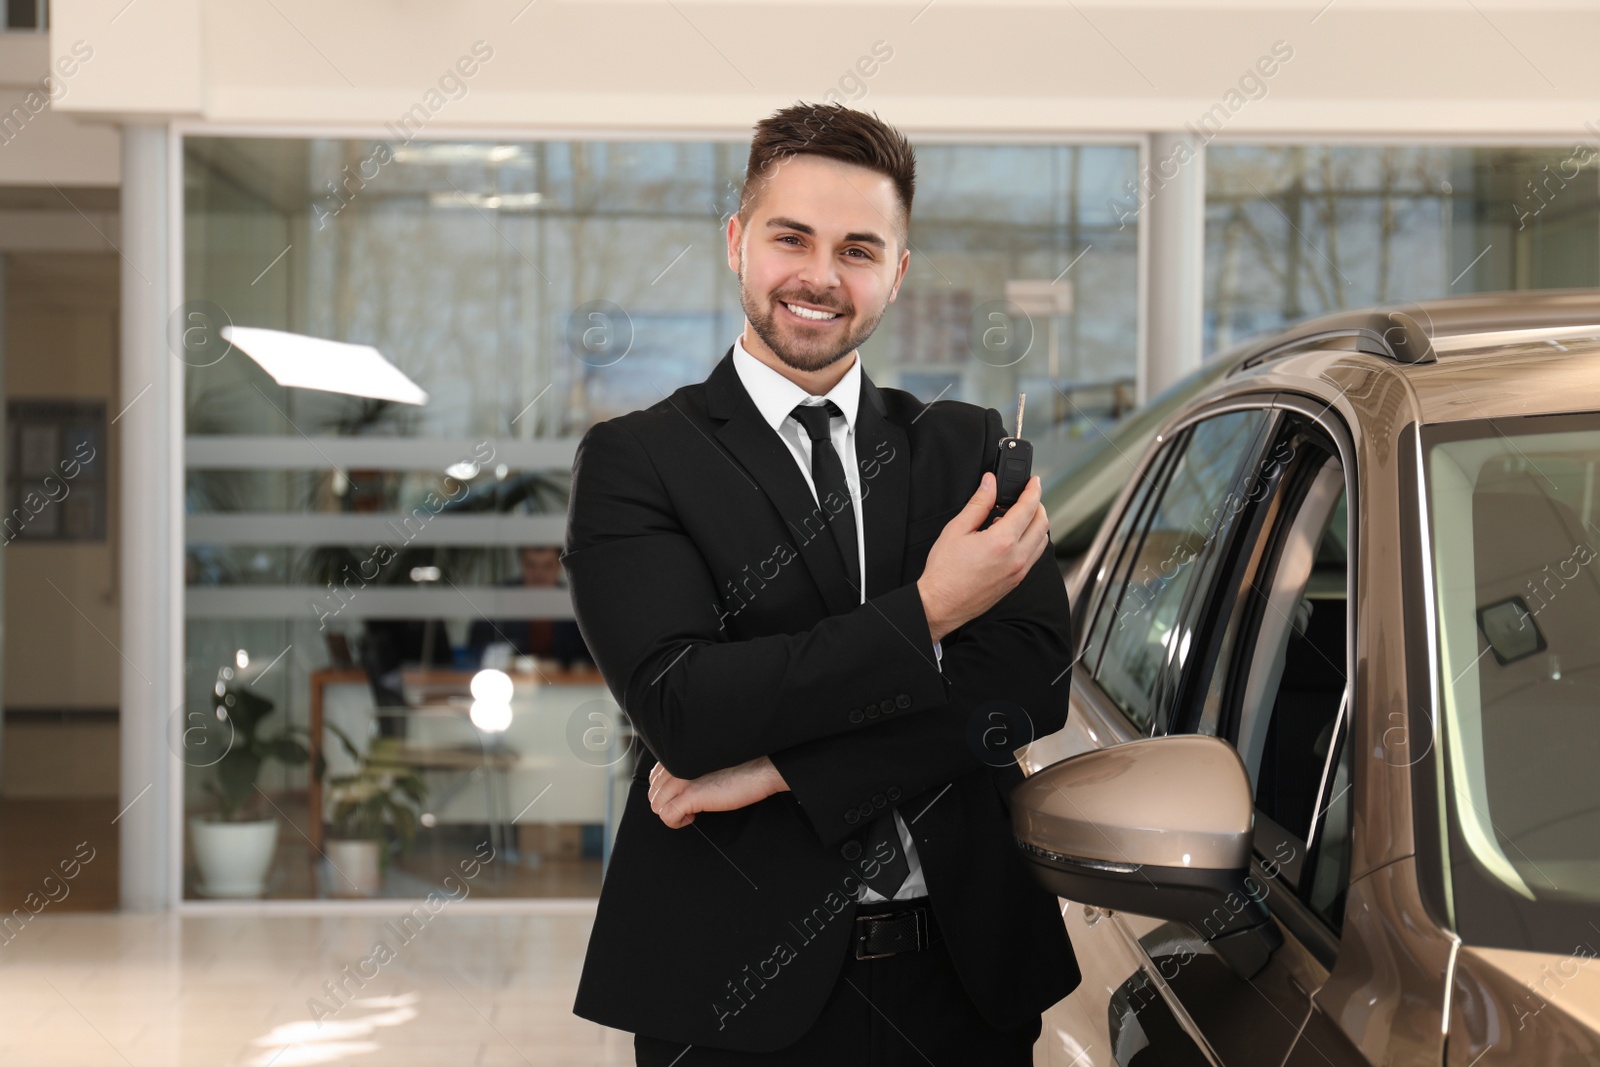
[[781, 574]]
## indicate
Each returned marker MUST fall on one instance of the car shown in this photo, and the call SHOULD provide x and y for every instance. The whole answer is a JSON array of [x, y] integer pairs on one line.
[[1329, 788], [1077, 498]]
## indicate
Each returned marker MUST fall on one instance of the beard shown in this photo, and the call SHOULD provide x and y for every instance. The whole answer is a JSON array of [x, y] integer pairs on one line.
[[791, 344]]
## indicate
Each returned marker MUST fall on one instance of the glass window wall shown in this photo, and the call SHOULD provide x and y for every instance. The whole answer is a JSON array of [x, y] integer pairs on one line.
[[361, 549]]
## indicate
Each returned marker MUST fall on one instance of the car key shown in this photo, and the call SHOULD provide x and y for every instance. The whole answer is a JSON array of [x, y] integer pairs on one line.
[[1013, 467]]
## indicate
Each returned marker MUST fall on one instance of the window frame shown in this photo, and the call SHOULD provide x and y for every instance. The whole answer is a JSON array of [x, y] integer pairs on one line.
[[1291, 906], [1121, 547]]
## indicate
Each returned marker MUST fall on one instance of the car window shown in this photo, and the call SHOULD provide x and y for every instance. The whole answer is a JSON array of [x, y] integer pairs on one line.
[[1194, 511], [1513, 526], [1106, 585], [1290, 720], [1330, 870]]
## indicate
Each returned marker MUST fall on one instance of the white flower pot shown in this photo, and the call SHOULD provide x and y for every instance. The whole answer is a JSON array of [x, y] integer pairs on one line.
[[233, 857], [354, 868]]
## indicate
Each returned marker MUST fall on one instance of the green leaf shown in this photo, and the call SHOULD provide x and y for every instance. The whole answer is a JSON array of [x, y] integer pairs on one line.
[[344, 739], [286, 750]]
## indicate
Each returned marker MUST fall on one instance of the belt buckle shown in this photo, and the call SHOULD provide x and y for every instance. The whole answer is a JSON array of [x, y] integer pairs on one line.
[[919, 923]]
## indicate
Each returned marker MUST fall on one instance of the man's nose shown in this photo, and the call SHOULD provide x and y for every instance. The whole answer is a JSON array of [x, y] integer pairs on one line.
[[819, 271]]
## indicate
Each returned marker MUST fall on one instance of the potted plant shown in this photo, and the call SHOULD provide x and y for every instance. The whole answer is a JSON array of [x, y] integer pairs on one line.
[[382, 793], [233, 845]]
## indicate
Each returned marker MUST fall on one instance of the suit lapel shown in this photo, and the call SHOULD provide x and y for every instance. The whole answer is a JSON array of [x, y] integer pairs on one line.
[[884, 462], [770, 464]]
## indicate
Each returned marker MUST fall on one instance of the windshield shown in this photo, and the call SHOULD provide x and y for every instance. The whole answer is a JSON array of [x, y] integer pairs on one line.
[[1514, 517]]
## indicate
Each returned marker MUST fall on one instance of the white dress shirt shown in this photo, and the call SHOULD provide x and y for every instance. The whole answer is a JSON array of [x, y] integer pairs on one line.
[[775, 397]]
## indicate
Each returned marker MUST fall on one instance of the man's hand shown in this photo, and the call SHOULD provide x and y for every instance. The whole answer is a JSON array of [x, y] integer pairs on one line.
[[677, 800], [968, 569]]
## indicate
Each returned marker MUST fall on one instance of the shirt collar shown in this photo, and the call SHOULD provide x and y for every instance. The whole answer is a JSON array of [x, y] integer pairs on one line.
[[775, 396]]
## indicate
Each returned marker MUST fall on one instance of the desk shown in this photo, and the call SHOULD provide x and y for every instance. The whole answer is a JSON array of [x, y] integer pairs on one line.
[[432, 686]]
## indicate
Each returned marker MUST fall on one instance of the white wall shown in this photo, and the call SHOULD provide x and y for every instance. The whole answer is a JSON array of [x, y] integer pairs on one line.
[[1437, 66], [40, 142]]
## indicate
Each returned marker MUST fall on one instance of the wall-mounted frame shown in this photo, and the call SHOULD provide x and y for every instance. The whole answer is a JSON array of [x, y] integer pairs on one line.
[[55, 471]]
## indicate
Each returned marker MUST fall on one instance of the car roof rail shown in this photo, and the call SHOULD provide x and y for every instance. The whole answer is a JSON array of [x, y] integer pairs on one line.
[[1391, 335]]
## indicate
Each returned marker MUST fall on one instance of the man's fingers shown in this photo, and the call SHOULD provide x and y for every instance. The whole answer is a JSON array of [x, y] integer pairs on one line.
[[1038, 532], [675, 811], [662, 791], [1016, 519], [669, 798]]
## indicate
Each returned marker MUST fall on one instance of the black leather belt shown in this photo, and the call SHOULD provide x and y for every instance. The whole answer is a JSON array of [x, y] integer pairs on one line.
[[889, 933]]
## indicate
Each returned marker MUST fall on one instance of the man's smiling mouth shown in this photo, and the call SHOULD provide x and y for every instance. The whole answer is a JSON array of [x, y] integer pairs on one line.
[[810, 314]]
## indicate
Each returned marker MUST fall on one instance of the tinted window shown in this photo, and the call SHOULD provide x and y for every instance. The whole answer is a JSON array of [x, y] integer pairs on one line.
[[1291, 727], [1104, 590], [1194, 511]]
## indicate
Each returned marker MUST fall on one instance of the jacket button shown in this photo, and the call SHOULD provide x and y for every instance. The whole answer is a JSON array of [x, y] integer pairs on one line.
[[851, 816], [886, 706], [903, 700], [872, 711], [893, 792], [851, 850], [855, 714], [877, 800], [865, 808]]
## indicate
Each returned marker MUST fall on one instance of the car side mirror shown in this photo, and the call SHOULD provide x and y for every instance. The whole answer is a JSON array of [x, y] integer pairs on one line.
[[1159, 827]]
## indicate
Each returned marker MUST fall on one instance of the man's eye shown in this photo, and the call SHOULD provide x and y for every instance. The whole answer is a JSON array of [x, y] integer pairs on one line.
[[864, 254]]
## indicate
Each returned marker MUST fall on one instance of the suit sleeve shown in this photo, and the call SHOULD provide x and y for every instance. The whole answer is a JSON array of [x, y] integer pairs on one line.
[[647, 607], [1009, 673]]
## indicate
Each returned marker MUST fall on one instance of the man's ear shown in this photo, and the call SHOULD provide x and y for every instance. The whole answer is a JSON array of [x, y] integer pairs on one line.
[[735, 238], [900, 273]]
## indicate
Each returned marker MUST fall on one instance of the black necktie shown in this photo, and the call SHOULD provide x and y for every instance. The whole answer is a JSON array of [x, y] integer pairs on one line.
[[880, 838], [827, 477]]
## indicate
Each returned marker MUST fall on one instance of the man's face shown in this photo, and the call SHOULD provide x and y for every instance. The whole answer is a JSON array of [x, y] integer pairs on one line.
[[821, 237], [541, 566]]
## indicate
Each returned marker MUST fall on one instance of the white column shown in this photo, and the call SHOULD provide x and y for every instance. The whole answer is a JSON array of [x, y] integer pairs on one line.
[[144, 435], [1174, 224]]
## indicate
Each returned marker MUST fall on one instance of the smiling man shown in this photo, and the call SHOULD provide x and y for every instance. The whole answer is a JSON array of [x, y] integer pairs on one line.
[[784, 576]]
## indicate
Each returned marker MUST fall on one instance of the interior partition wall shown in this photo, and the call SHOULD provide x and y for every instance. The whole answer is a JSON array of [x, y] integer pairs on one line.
[[352, 563]]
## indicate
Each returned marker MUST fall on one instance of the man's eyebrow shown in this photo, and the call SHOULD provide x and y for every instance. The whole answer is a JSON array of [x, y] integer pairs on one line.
[[794, 224]]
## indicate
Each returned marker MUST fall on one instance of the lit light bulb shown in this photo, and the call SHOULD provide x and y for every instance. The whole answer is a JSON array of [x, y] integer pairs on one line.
[[490, 716], [492, 686]]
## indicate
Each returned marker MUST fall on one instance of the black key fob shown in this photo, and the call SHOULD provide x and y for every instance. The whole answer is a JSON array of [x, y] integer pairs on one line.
[[1013, 466]]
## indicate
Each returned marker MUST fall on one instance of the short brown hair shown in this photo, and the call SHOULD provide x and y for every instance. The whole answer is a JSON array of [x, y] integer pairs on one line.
[[835, 132]]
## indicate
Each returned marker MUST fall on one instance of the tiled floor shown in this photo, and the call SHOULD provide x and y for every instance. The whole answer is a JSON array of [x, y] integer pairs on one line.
[[156, 990]]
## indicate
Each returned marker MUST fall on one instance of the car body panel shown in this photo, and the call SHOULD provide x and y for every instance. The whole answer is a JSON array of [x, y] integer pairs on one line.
[[1386, 995], [1524, 380], [1517, 1008]]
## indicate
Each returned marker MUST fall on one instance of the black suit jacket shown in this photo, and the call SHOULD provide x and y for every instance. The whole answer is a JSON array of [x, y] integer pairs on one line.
[[719, 613]]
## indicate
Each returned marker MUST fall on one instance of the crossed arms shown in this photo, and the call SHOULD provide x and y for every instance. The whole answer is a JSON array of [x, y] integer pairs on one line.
[[778, 708]]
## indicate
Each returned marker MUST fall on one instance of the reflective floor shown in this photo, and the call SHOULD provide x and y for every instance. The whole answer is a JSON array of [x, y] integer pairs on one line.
[[158, 990]]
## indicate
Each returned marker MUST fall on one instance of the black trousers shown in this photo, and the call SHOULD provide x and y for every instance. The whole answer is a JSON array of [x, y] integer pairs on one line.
[[906, 1010]]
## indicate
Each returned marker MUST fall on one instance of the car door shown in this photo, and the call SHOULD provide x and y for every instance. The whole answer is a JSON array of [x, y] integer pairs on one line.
[[1162, 547], [1269, 671]]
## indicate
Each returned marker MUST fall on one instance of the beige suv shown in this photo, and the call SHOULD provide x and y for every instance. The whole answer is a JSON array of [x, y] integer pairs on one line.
[[1329, 792]]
